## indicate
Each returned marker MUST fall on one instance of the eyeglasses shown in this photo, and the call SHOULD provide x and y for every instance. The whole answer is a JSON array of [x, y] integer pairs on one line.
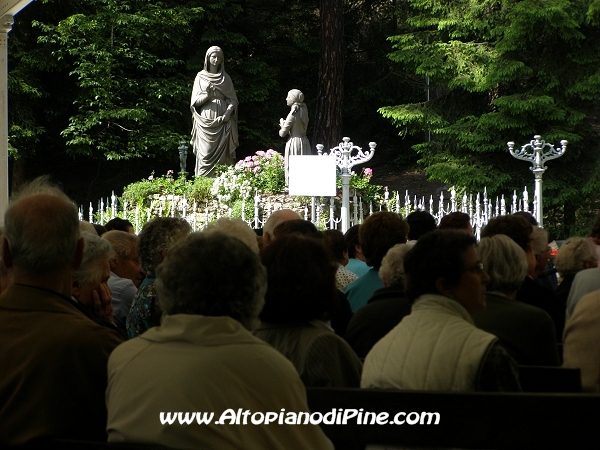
[[478, 268]]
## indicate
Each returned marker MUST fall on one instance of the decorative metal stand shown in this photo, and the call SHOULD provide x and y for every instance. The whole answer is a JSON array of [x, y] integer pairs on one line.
[[345, 160], [183, 151], [537, 152]]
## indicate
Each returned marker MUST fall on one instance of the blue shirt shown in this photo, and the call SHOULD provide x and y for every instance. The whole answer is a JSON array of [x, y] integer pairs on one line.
[[357, 266], [123, 291], [360, 290]]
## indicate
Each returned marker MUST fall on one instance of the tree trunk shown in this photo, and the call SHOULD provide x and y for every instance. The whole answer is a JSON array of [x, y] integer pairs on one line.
[[328, 123]]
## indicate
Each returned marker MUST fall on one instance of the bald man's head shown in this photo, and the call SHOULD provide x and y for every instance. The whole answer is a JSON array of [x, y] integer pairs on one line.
[[280, 216], [41, 229]]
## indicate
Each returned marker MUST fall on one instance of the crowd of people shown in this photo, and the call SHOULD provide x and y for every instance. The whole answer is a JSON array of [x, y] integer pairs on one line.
[[103, 330]]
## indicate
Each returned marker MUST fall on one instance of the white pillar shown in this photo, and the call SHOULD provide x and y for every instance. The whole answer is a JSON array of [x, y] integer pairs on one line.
[[539, 213], [345, 201], [6, 23]]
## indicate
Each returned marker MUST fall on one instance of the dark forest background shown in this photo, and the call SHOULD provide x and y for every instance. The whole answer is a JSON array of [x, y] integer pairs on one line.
[[99, 89]]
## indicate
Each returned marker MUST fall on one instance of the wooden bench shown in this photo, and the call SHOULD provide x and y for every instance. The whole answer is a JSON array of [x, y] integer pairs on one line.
[[550, 379], [466, 420]]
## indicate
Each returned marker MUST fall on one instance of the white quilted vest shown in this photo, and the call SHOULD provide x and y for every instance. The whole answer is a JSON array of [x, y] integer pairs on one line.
[[436, 347]]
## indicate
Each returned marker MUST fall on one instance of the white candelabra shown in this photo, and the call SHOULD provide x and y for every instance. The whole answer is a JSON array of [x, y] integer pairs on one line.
[[345, 160], [537, 152]]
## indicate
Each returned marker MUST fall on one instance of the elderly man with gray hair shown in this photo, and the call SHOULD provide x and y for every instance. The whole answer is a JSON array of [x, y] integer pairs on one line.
[[526, 332], [126, 273], [386, 308], [204, 358], [52, 356]]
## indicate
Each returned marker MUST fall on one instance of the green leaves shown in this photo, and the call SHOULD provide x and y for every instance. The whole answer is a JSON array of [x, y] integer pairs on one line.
[[501, 71], [126, 58]]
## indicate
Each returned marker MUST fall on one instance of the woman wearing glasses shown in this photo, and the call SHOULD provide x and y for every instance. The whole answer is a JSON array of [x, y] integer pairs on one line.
[[437, 347]]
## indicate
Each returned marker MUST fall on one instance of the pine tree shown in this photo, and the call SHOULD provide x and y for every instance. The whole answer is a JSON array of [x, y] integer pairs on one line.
[[499, 71]]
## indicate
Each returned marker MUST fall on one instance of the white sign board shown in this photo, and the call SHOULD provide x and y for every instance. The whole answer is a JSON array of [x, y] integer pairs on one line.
[[312, 175]]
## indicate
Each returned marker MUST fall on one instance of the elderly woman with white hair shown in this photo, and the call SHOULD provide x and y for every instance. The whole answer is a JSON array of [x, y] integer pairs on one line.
[[526, 332], [574, 255], [126, 273], [385, 309], [203, 357], [90, 287]]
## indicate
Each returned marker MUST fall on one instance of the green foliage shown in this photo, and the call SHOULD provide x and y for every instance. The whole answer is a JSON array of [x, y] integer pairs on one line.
[[198, 189], [362, 184], [503, 71], [127, 62], [236, 209]]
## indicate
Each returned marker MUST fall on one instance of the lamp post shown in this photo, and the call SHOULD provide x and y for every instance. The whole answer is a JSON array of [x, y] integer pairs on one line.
[[345, 160], [183, 151], [537, 152]]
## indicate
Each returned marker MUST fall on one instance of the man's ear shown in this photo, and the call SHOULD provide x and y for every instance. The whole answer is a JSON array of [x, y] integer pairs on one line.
[[75, 288], [441, 286], [6, 255], [113, 264]]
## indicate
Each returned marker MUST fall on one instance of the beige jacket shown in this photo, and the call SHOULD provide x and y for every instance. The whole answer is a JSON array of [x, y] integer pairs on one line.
[[195, 363], [581, 348]]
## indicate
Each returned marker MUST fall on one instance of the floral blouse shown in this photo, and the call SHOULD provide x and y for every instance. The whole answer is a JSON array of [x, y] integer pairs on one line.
[[145, 312]]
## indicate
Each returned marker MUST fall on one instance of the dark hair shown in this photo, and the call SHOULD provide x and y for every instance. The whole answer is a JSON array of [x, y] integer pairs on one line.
[[300, 280], [118, 224], [352, 240], [436, 255], [335, 241], [99, 229], [528, 216], [455, 220], [515, 227], [380, 232], [420, 222], [302, 227]]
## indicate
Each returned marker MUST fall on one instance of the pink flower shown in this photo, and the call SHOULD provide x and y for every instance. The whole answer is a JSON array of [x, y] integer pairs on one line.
[[248, 158], [169, 172], [151, 177], [250, 164], [367, 171], [256, 169], [260, 153], [255, 158]]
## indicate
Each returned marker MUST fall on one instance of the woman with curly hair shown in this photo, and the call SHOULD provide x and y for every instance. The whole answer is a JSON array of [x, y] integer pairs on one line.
[[154, 242]]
